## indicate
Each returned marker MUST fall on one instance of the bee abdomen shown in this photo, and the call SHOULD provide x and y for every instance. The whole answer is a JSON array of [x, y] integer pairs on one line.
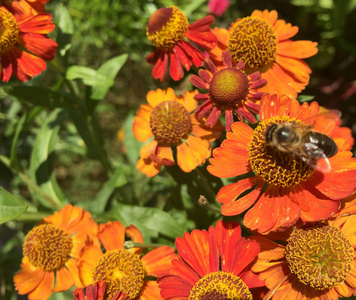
[[323, 142]]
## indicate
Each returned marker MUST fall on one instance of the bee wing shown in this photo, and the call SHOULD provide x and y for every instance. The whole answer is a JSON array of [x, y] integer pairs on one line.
[[320, 161], [326, 121]]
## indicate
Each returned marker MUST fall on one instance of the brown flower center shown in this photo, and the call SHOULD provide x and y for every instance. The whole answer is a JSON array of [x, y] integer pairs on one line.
[[229, 87], [47, 247], [170, 123], [272, 165], [319, 257], [166, 27], [254, 41], [9, 31], [220, 286], [122, 271]]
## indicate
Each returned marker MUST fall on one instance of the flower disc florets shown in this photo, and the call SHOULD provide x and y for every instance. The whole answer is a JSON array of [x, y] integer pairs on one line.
[[254, 41], [319, 257], [166, 27], [273, 166], [229, 87], [220, 286], [47, 247], [122, 271], [9, 31], [170, 123]]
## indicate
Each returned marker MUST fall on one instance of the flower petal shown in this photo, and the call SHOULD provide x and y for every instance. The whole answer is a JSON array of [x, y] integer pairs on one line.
[[158, 261], [112, 235]]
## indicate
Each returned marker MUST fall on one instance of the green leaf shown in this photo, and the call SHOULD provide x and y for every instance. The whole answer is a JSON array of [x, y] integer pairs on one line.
[[102, 79], [19, 127], [305, 98], [118, 179], [40, 96], [151, 221], [10, 206], [65, 29], [42, 157]]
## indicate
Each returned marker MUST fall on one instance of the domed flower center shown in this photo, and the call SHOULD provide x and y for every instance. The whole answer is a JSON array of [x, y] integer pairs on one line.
[[9, 31], [166, 27], [229, 87], [47, 247], [170, 123], [254, 41], [272, 165], [220, 285], [122, 271], [319, 257]]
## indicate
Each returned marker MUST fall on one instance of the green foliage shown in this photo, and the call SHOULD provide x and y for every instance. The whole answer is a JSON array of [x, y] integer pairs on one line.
[[10, 206]]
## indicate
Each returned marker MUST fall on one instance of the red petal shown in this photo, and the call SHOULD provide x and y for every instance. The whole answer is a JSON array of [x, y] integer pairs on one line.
[[159, 71], [175, 69]]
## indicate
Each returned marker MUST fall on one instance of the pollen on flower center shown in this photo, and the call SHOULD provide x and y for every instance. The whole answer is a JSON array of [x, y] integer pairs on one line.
[[229, 87], [9, 31], [166, 27], [122, 271], [170, 123], [274, 166], [47, 247], [254, 41], [220, 285], [320, 257]]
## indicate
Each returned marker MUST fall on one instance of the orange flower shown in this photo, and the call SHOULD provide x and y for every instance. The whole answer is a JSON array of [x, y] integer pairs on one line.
[[51, 250], [294, 188], [318, 262], [96, 291], [166, 30], [212, 264], [32, 7], [28, 32], [124, 270], [263, 43], [170, 121], [230, 89]]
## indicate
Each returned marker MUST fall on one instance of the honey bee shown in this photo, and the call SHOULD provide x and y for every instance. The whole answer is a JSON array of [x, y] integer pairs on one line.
[[299, 139]]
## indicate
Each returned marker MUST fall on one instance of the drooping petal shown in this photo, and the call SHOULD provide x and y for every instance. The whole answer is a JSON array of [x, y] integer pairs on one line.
[[108, 231], [158, 261], [64, 280]]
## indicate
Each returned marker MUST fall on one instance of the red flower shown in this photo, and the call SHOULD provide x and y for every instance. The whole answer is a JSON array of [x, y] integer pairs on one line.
[[218, 7], [294, 189], [29, 32], [213, 264], [167, 29], [230, 89]]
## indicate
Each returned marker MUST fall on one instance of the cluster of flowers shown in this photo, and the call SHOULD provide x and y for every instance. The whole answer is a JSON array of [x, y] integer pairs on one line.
[[296, 173], [24, 45], [302, 197]]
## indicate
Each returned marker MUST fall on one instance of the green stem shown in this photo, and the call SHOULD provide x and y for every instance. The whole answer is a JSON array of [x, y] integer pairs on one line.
[[130, 244], [29, 182]]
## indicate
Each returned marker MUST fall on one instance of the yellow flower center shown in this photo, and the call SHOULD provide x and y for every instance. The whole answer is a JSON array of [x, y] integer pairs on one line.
[[122, 271], [47, 247], [229, 87], [272, 165], [166, 27], [222, 286], [170, 123], [254, 41], [319, 257], [9, 31]]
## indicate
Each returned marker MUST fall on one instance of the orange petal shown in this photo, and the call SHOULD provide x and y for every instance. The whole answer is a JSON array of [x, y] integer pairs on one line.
[[150, 291], [297, 67], [64, 280], [207, 133], [188, 100], [272, 211], [228, 194], [148, 167], [141, 125], [71, 265], [200, 146], [284, 30], [112, 235], [136, 236], [28, 278], [44, 289], [187, 159], [297, 49], [156, 97], [158, 261], [269, 16]]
